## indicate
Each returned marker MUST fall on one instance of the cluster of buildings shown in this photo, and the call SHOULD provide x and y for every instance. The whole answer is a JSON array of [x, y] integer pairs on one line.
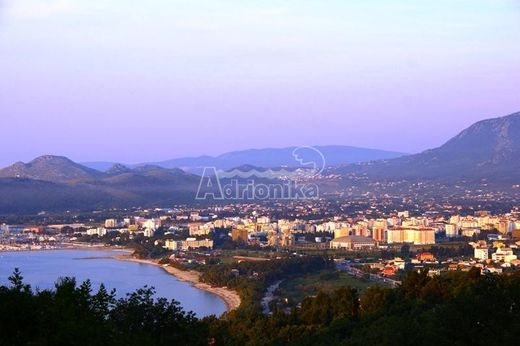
[[420, 230], [498, 252], [348, 234], [469, 226], [52, 236], [134, 226], [354, 233], [489, 258], [254, 225]]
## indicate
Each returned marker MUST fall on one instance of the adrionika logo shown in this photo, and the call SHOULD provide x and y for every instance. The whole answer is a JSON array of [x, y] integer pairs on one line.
[[289, 182]]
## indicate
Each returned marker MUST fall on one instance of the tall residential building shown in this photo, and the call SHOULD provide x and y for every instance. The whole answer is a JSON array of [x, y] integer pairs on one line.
[[504, 226], [481, 253], [239, 234], [111, 223], [412, 235], [452, 230], [379, 230], [193, 243]]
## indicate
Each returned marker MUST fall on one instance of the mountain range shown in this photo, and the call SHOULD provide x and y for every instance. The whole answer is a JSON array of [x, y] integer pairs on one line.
[[268, 157], [489, 149], [57, 183]]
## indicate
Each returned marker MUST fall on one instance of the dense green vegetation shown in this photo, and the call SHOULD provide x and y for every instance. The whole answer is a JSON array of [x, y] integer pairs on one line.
[[297, 288], [72, 314], [250, 279], [459, 308]]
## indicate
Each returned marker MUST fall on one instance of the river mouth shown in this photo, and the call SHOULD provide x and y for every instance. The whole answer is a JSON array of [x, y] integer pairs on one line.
[[41, 269]]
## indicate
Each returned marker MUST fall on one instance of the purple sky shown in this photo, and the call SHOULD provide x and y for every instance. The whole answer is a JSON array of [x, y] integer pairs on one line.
[[134, 81]]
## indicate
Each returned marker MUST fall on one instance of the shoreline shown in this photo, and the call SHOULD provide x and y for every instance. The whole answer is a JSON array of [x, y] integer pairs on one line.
[[230, 297], [75, 246]]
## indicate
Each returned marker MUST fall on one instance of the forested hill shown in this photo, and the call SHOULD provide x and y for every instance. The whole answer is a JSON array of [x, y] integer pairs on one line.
[[460, 308]]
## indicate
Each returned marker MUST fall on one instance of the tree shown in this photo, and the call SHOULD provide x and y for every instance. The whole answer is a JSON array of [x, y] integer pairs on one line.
[[16, 280]]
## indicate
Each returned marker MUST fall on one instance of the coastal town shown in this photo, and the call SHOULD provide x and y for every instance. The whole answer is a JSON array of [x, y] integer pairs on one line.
[[185, 240], [260, 173]]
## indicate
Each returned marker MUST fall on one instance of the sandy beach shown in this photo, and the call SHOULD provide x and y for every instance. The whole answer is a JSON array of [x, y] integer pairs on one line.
[[230, 297]]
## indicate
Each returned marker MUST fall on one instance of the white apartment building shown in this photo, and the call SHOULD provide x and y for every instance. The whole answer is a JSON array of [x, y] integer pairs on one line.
[[481, 253], [189, 243], [503, 254], [100, 231]]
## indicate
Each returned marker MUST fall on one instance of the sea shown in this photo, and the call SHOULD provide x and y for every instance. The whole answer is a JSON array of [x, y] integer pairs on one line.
[[41, 269]]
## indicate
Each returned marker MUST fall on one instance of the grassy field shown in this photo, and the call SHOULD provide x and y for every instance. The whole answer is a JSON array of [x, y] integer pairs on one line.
[[296, 289]]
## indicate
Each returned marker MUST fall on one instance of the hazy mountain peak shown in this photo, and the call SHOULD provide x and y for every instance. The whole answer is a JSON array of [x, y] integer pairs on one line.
[[487, 149], [490, 140], [50, 158], [502, 127], [49, 168]]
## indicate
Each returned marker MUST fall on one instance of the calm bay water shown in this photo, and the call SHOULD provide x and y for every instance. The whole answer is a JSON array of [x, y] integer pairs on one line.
[[41, 269]]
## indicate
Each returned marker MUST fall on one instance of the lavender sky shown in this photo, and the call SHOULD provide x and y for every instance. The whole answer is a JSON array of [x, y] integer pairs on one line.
[[134, 81]]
